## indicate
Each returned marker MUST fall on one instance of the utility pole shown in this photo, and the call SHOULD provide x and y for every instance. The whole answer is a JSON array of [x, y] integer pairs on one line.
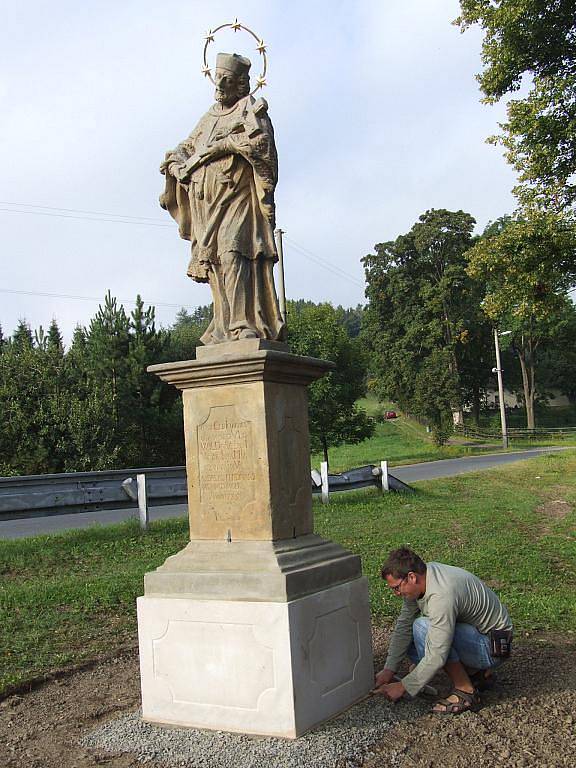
[[498, 370], [281, 288]]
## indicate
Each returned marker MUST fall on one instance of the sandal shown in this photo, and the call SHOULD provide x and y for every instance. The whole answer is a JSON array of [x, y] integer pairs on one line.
[[465, 702], [481, 681]]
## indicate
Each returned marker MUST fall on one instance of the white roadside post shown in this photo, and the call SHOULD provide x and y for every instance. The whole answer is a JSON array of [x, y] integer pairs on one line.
[[384, 475], [325, 486], [142, 501]]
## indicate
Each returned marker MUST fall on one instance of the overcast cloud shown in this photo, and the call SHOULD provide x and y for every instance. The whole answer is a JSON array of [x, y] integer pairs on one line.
[[377, 116]]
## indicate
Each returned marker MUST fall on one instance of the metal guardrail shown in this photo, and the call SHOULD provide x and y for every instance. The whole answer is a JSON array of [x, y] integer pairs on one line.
[[369, 476], [66, 493], [38, 495]]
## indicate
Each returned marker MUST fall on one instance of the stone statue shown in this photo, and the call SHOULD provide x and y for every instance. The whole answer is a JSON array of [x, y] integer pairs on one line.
[[220, 185]]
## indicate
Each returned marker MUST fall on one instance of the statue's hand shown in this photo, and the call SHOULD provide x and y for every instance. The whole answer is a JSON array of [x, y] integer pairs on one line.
[[169, 158], [177, 170], [237, 127], [216, 149]]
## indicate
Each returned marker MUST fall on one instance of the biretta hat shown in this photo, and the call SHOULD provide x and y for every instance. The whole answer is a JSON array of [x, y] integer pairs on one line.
[[239, 65]]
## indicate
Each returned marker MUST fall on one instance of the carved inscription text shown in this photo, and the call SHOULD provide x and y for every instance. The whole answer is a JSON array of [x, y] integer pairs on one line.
[[227, 471]]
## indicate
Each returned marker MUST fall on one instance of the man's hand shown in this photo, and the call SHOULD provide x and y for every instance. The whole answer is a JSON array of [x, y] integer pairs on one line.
[[383, 677], [392, 691]]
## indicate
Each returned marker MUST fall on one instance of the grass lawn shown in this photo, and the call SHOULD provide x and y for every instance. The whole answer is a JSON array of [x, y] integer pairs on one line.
[[398, 441], [405, 441], [68, 597]]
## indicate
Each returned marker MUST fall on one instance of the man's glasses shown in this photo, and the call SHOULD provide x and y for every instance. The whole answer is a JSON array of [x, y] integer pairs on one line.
[[396, 587]]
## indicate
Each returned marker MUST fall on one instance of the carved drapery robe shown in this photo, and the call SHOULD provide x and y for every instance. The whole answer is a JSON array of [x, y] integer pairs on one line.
[[225, 208]]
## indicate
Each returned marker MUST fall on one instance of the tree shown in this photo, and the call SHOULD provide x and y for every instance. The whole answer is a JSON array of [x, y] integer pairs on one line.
[[124, 415], [22, 338], [54, 402], [154, 430], [185, 333], [351, 318], [107, 348], [557, 361], [23, 390], [435, 403], [524, 262], [534, 38], [423, 312], [316, 331], [94, 407], [54, 343]]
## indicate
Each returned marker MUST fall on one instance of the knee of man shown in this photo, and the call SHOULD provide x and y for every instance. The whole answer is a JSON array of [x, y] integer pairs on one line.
[[420, 627]]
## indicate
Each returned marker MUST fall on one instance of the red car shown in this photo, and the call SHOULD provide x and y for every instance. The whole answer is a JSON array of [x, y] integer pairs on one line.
[[390, 415]]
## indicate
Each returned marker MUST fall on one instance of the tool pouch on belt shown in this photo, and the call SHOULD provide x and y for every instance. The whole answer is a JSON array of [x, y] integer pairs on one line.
[[500, 643]]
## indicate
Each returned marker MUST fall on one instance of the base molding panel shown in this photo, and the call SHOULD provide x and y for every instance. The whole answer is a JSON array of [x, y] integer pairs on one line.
[[269, 668]]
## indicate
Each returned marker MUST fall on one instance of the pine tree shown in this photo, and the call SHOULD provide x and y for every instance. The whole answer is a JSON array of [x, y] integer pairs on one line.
[[185, 335], [107, 348], [54, 343], [22, 337], [155, 408], [22, 379]]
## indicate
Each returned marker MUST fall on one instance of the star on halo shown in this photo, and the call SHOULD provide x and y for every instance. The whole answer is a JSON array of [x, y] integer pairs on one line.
[[261, 48], [206, 71], [260, 82], [209, 36], [236, 25]]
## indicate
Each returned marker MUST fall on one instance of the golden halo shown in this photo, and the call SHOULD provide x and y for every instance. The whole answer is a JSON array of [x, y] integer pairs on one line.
[[261, 48]]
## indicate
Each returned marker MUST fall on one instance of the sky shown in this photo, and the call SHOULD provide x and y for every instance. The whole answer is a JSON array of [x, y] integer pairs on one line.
[[376, 111]]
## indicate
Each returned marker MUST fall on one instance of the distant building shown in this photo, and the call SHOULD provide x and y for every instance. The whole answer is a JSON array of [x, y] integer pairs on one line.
[[555, 399]]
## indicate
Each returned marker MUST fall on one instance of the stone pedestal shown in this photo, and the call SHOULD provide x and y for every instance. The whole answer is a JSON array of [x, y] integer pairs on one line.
[[258, 625]]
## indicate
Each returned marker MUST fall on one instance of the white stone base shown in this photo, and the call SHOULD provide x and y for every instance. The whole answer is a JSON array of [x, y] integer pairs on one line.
[[266, 668]]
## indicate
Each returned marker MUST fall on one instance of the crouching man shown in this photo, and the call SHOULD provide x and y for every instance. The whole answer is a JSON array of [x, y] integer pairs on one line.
[[449, 619]]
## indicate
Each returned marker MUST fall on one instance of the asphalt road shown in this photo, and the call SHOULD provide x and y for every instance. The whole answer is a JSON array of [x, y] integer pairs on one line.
[[33, 526], [411, 473]]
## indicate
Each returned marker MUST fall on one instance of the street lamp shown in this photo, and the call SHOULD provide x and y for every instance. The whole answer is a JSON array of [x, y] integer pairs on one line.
[[281, 287], [498, 370]]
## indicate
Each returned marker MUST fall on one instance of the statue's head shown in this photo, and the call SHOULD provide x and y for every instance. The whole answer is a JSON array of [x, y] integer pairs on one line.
[[231, 78]]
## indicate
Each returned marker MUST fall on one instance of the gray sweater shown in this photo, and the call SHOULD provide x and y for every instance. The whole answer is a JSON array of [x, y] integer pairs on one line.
[[452, 596]]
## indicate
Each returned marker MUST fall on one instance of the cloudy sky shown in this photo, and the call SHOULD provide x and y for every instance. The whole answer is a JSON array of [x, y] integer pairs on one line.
[[377, 116]]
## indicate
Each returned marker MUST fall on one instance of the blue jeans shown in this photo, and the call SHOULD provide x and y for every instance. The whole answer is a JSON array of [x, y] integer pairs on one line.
[[469, 646]]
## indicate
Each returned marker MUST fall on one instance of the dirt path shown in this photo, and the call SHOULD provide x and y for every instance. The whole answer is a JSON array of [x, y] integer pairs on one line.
[[530, 720]]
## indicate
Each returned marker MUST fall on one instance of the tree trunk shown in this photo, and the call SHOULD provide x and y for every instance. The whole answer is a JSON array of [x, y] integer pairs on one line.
[[457, 413], [458, 416], [476, 406], [527, 367], [114, 397], [325, 448]]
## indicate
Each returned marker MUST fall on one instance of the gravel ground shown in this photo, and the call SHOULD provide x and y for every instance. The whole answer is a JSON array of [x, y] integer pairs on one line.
[[345, 740], [529, 720]]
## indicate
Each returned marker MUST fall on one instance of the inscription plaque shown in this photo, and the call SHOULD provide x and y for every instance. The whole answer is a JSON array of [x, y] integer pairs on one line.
[[226, 465]]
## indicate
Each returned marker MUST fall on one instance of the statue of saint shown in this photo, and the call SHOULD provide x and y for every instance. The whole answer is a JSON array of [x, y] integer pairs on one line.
[[220, 185]]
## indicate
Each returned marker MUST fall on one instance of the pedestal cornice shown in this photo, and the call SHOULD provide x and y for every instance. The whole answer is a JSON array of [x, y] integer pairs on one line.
[[241, 368], [278, 571]]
